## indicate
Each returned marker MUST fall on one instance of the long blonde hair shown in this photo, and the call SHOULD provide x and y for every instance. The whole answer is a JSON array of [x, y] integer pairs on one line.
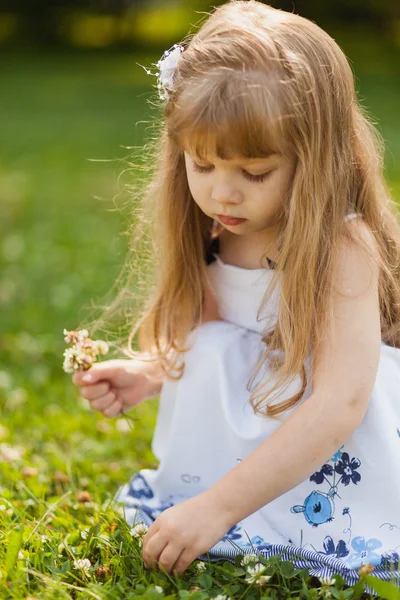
[[254, 79]]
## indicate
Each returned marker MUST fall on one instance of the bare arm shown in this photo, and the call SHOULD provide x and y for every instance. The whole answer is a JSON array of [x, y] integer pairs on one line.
[[345, 369]]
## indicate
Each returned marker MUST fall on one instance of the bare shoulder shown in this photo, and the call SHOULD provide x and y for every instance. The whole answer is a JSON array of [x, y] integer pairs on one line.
[[357, 268], [347, 357]]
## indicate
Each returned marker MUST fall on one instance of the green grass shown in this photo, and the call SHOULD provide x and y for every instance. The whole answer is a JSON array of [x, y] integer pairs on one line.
[[65, 122]]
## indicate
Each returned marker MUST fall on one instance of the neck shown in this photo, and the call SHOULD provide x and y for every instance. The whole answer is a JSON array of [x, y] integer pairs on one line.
[[248, 251]]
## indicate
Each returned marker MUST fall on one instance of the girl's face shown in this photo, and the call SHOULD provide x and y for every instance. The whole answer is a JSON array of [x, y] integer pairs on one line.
[[250, 189]]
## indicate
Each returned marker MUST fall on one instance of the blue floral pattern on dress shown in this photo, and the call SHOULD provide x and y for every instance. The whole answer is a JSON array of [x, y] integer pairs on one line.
[[347, 469], [255, 541], [364, 552], [139, 488], [319, 507], [233, 533], [340, 550]]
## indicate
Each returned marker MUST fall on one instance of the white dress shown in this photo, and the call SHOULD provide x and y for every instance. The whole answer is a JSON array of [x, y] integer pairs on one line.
[[346, 514]]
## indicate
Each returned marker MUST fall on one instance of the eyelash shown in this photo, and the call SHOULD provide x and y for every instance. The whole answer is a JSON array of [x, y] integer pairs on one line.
[[249, 176]]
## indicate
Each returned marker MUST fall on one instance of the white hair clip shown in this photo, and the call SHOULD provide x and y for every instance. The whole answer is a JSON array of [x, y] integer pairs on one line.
[[166, 68]]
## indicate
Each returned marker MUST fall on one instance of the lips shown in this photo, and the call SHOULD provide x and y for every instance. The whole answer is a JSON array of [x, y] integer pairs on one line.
[[230, 220]]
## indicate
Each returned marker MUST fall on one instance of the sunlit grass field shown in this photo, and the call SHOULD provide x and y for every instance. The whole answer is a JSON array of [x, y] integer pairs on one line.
[[66, 123]]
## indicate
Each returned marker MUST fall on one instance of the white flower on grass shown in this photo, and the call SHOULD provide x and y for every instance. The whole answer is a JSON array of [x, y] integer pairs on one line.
[[10, 453], [249, 558], [84, 533], [254, 575], [139, 530], [82, 563], [221, 597], [159, 589], [327, 580], [200, 567]]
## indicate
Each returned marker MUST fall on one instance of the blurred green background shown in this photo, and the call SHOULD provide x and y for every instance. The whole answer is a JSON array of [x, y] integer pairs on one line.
[[73, 101]]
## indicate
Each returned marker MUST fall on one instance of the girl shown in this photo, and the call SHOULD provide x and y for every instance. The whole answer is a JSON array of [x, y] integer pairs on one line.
[[273, 327]]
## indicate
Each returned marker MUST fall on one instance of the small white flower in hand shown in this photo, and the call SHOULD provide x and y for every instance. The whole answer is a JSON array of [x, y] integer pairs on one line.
[[83, 351]]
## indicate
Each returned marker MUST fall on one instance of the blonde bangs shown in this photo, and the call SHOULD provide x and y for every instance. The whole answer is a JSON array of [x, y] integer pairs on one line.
[[235, 116]]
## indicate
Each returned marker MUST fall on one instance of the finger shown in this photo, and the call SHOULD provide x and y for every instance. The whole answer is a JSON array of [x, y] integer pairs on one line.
[[114, 410], [170, 557], [183, 562], [103, 402], [153, 551], [102, 370], [91, 392]]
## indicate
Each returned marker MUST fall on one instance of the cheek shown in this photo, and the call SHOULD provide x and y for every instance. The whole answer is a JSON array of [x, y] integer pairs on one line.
[[197, 189]]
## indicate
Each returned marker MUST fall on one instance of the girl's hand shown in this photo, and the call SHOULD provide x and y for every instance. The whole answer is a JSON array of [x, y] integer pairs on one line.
[[183, 532], [117, 385]]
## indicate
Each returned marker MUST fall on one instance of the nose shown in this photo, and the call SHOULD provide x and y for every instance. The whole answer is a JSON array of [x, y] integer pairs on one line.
[[225, 193]]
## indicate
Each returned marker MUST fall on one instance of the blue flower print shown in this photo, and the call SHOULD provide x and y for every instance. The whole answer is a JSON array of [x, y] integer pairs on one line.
[[155, 511], [318, 508], [364, 552], [255, 541], [319, 476], [340, 550], [338, 455], [233, 533], [139, 488], [347, 469]]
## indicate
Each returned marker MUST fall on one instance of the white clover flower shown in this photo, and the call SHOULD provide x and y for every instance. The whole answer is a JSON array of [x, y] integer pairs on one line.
[[10, 453], [139, 530], [221, 597], [249, 558], [101, 347], [200, 567], [82, 563], [159, 589], [83, 351], [72, 359], [327, 581], [254, 575]]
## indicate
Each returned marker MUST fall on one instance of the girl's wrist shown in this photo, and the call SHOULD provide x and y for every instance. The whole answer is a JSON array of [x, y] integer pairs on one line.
[[152, 372]]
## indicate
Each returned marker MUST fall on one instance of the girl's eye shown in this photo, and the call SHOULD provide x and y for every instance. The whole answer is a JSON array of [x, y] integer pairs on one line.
[[249, 176]]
